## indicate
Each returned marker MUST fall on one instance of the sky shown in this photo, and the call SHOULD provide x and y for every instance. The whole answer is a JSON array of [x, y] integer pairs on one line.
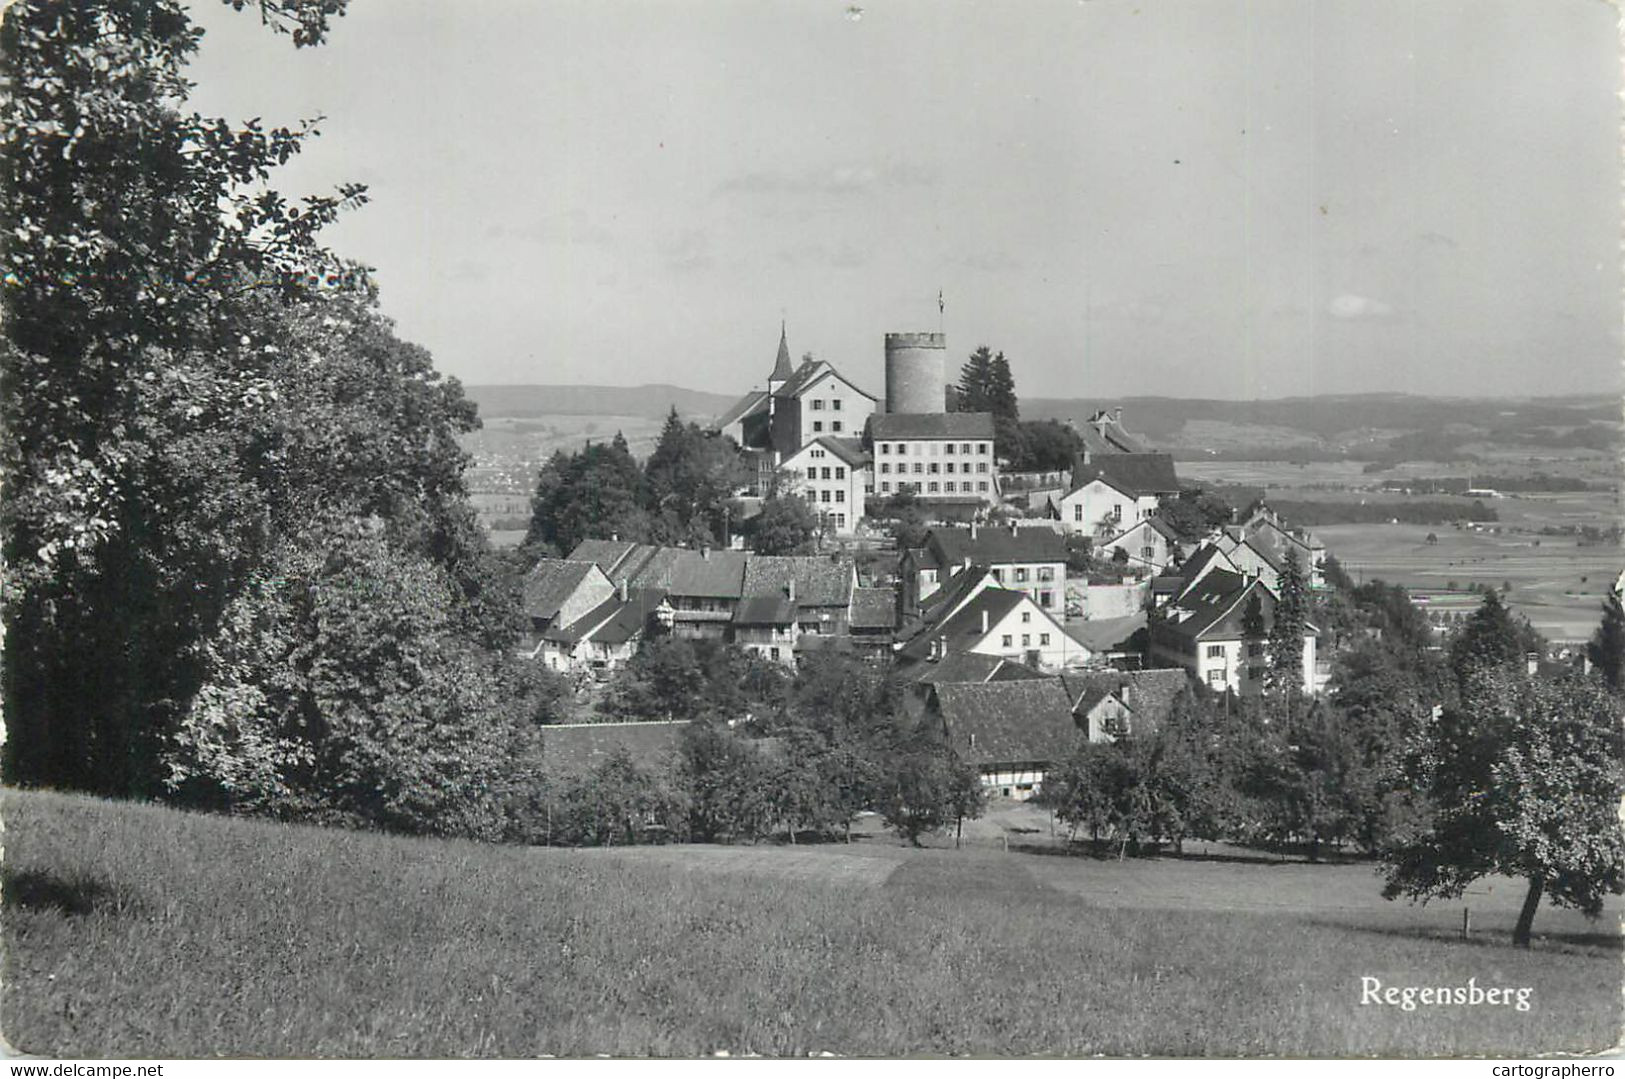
[[1192, 198]]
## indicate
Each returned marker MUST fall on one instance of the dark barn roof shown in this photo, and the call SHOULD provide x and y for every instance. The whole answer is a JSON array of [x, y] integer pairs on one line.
[[1009, 722], [874, 608], [821, 580], [986, 546], [1132, 473], [549, 583]]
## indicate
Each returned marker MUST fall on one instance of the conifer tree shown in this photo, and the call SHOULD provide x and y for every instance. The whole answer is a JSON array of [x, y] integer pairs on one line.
[[1607, 645]]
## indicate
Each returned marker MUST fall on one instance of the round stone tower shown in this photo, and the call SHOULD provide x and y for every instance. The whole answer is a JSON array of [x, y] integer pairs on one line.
[[916, 364]]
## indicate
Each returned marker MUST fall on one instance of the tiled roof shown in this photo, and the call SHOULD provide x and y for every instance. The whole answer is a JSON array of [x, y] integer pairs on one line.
[[956, 667], [765, 611], [748, 405], [614, 621], [607, 553], [989, 546], [1132, 473], [550, 583], [575, 749], [1150, 695], [1209, 601], [821, 580], [1009, 722], [874, 608], [1199, 561], [849, 450], [809, 372], [709, 574], [1108, 634], [906, 425], [1102, 434], [963, 630]]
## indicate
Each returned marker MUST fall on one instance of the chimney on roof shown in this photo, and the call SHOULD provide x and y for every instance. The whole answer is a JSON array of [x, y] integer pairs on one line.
[[705, 551], [624, 595], [615, 537], [1013, 526], [984, 620], [792, 589], [1117, 414], [973, 530]]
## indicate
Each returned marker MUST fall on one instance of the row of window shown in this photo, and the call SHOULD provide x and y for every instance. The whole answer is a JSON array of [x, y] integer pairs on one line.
[[1216, 651], [818, 404], [814, 473], [823, 496], [1026, 640], [931, 469], [834, 426], [949, 487], [930, 448], [1045, 573]]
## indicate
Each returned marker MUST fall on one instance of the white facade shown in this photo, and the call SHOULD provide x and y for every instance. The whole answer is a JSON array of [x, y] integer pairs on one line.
[[1142, 543], [1099, 509], [830, 405], [832, 486], [1027, 634], [936, 467]]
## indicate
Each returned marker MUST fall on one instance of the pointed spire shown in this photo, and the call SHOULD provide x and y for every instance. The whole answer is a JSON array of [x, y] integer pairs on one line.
[[782, 371]]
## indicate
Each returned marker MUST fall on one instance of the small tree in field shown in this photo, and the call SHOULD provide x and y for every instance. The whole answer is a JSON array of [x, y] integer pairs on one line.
[[1524, 778]]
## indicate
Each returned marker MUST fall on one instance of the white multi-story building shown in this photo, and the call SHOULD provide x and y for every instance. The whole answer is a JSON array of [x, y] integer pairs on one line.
[[943, 456], [833, 475]]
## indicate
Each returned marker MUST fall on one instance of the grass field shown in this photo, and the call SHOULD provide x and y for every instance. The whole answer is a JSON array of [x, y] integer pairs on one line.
[[137, 931]]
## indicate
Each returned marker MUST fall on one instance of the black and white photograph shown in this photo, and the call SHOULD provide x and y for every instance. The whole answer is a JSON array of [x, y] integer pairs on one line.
[[811, 529]]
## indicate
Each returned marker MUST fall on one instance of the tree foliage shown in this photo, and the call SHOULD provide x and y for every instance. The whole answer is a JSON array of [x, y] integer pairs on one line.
[[1606, 648], [1524, 777], [785, 525]]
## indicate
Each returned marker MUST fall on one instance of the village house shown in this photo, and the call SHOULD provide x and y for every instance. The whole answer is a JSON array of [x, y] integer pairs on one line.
[[1150, 543], [996, 622], [941, 457], [556, 593], [767, 626], [1108, 704], [702, 587], [1104, 433], [1030, 560], [1110, 492], [602, 640], [1251, 556], [821, 586], [1013, 733], [874, 621], [1264, 527], [833, 474], [1204, 630]]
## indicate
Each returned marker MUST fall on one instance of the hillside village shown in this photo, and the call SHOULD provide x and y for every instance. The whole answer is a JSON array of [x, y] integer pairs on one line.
[[1023, 611]]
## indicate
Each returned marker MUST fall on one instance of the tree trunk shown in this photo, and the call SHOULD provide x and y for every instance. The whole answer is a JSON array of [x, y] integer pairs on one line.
[[1526, 916]]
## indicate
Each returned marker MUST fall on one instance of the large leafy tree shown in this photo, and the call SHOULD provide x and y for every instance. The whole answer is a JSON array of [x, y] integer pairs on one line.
[[1490, 639], [690, 478], [597, 492], [1524, 777], [786, 524], [1285, 672], [133, 384]]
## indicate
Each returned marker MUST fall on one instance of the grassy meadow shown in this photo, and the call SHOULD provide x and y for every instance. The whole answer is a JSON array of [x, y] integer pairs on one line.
[[140, 931]]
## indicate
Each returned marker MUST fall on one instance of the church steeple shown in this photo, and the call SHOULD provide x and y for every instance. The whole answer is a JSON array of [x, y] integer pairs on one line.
[[782, 371]]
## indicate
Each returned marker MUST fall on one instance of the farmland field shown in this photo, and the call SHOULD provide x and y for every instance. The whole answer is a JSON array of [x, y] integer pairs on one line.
[[138, 931]]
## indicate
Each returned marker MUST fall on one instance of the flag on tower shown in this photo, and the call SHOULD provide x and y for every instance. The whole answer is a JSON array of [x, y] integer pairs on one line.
[[939, 301]]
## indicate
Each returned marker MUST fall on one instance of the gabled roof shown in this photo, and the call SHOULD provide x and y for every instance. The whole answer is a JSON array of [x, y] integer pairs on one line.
[[608, 554], [550, 583], [1156, 524], [753, 402], [821, 580], [905, 425], [874, 608], [810, 372], [849, 450], [1134, 474], [987, 546], [765, 611], [1103, 433], [1204, 559], [1236, 538], [1209, 601], [962, 631], [574, 749], [614, 621], [1149, 695], [1008, 722]]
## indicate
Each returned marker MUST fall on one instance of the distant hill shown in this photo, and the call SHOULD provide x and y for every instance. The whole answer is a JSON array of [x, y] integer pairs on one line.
[[656, 400]]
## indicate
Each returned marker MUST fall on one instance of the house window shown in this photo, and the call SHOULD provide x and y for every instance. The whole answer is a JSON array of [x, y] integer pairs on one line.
[[998, 575], [1048, 600], [840, 472], [1026, 616], [933, 469], [1215, 678], [981, 466], [818, 425], [885, 485], [826, 473], [948, 449], [949, 467], [918, 468], [1026, 639], [1008, 640], [902, 449], [885, 447], [818, 406], [1148, 553], [1021, 573], [948, 487], [840, 495], [815, 453], [932, 486], [840, 519], [835, 425], [981, 447], [1077, 511], [1215, 651], [773, 653], [836, 404], [1043, 638], [1117, 512], [885, 468], [1046, 573], [982, 486], [823, 496]]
